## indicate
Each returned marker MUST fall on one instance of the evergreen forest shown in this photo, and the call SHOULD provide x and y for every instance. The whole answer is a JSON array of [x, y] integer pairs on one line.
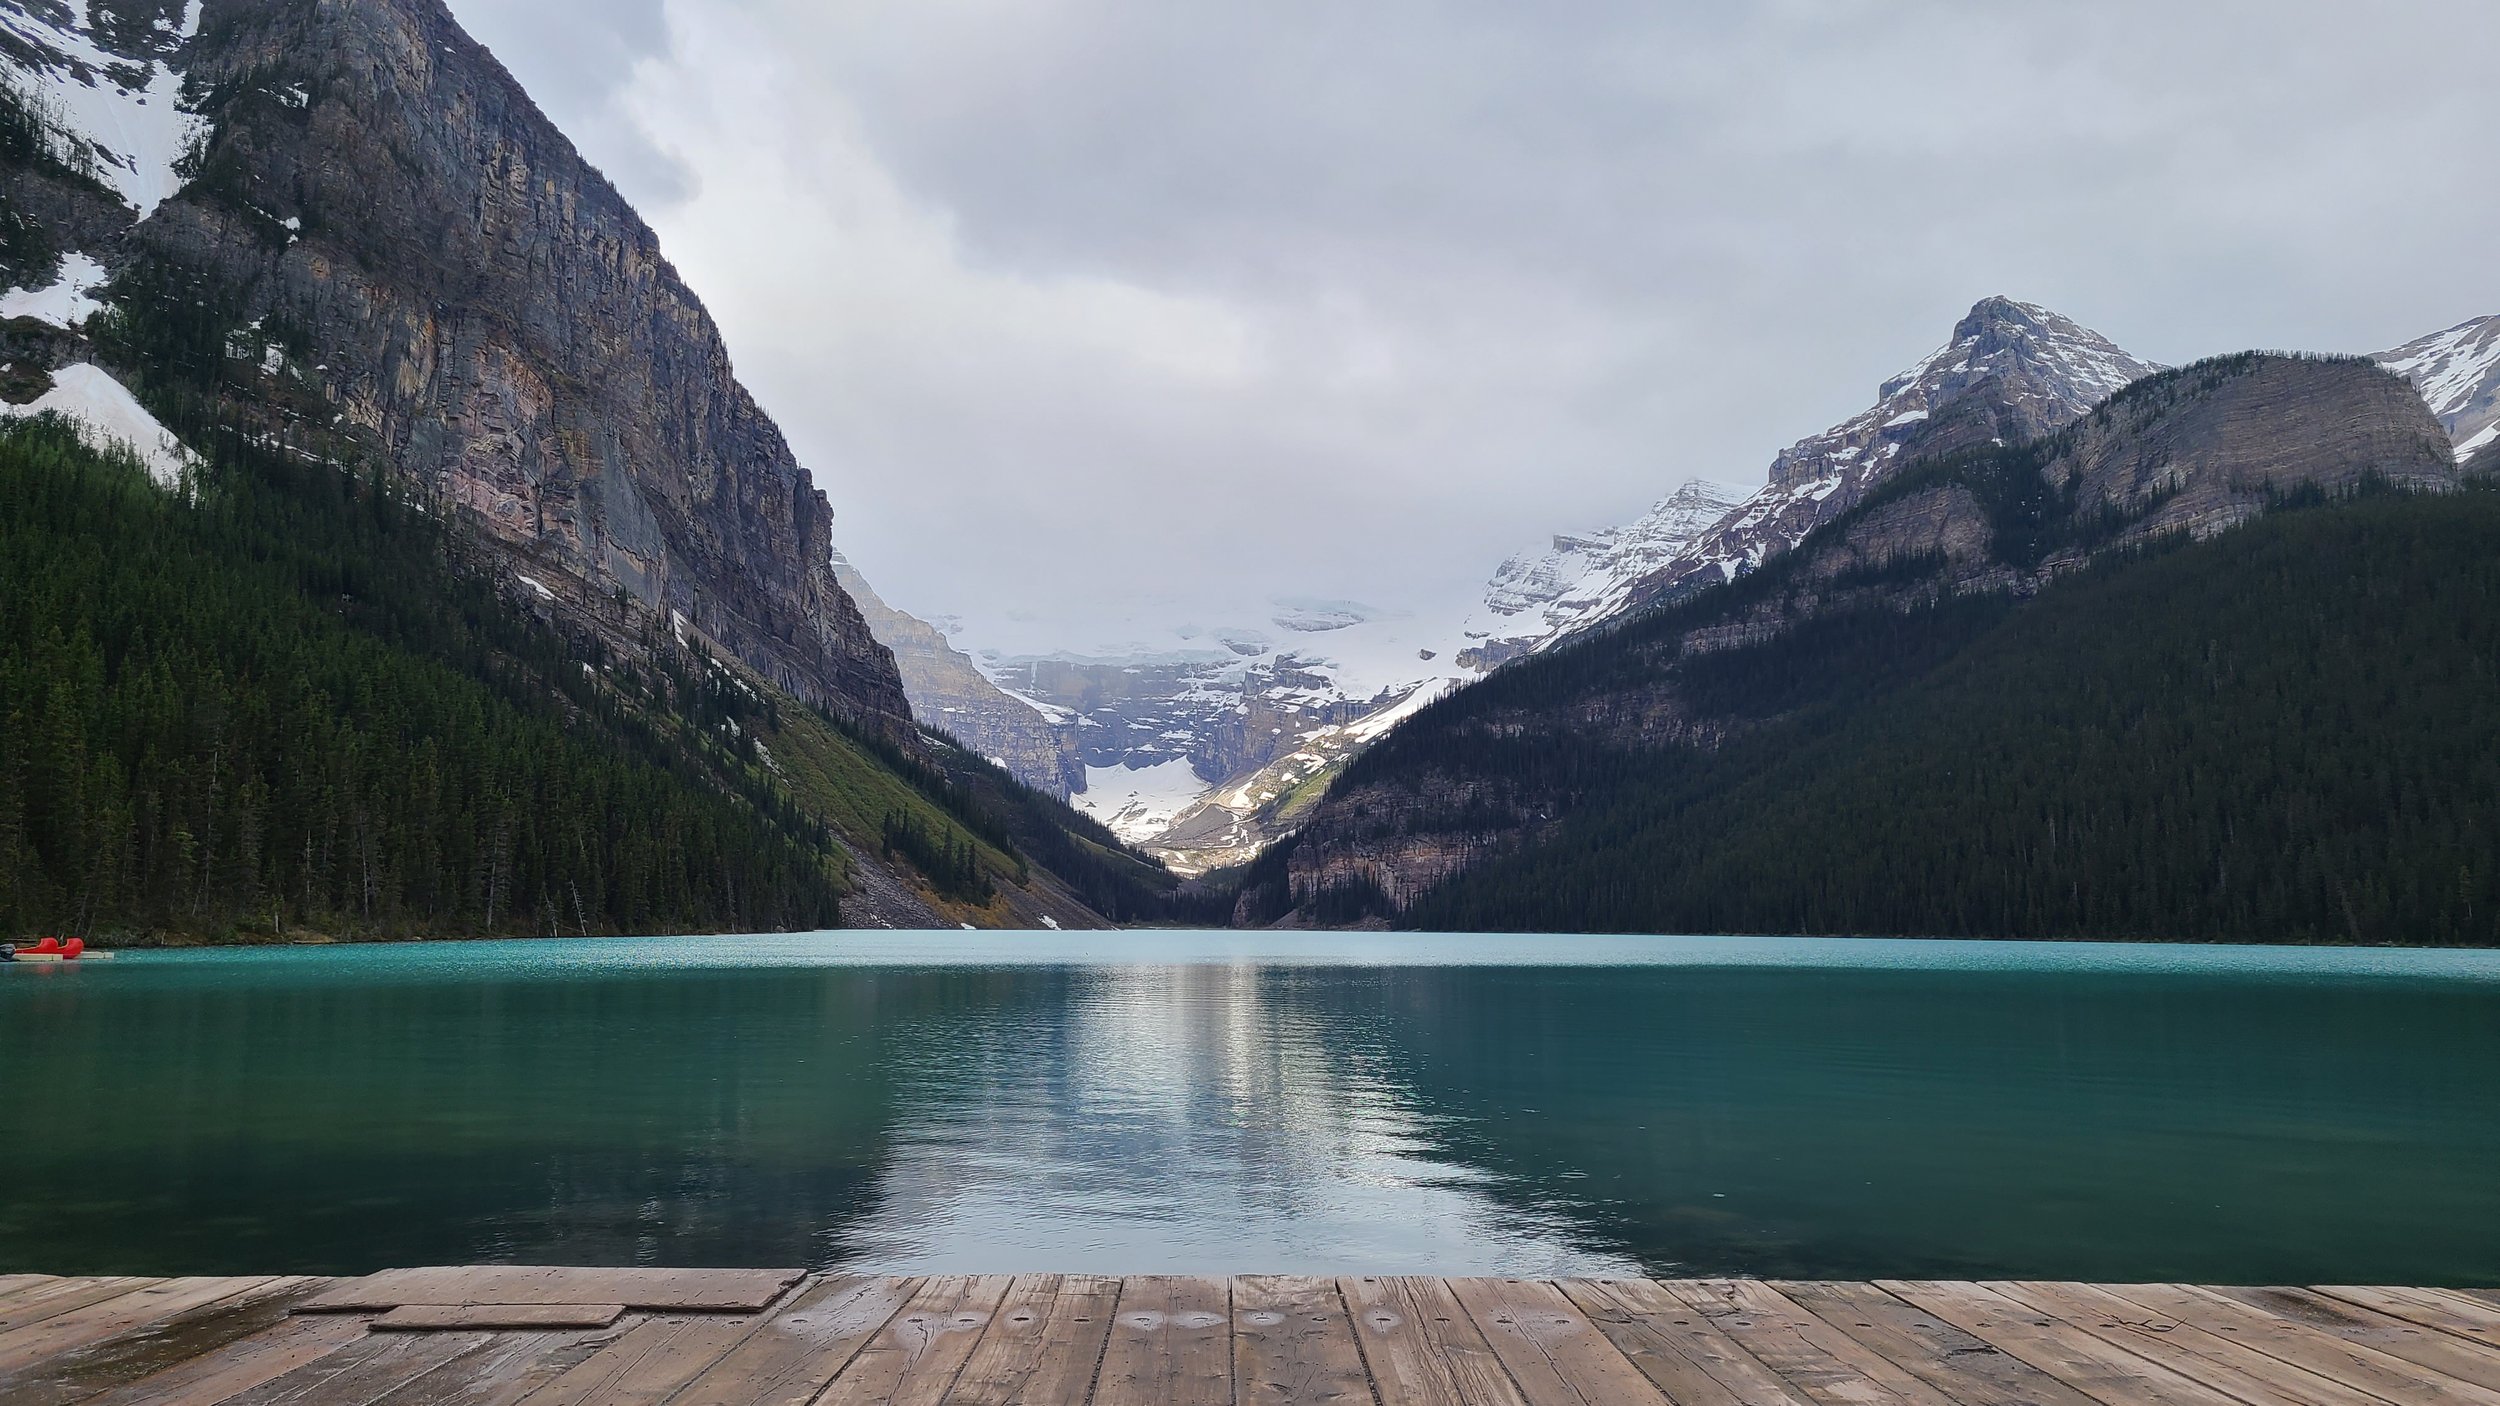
[[2289, 733]]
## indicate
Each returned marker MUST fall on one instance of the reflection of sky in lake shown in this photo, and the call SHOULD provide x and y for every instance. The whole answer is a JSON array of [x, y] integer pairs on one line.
[[1190, 1109], [1208, 1103]]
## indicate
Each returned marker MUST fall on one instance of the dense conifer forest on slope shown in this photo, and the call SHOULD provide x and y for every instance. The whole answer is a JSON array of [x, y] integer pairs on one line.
[[280, 708], [2290, 733]]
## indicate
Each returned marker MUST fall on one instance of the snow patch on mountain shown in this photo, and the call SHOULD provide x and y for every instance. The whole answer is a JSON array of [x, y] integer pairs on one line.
[[117, 115], [1139, 803], [108, 417], [65, 303], [2458, 373]]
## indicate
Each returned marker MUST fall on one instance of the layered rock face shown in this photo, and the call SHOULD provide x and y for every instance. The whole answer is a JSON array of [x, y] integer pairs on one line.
[[2202, 449], [2193, 451], [1036, 742], [372, 194]]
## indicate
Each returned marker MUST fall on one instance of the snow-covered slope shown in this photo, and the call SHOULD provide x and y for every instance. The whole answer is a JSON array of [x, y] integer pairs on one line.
[[109, 417], [1536, 598], [1194, 737], [2458, 374], [66, 302], [107, 89]]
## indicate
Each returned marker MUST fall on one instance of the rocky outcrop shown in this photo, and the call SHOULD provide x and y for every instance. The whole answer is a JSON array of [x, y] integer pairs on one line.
[[374, 198], [947, 691], [2204, 448]]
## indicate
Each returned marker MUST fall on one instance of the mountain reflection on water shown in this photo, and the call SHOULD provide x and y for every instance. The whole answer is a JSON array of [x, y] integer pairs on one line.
[[1167, 1102]]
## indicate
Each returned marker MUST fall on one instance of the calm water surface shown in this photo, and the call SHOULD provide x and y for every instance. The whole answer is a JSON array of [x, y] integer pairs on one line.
[[1153, 1102]]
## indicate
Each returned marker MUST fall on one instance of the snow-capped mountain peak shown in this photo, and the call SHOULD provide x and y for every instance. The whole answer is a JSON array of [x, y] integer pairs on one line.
[[2011, 371], [1536, 597]]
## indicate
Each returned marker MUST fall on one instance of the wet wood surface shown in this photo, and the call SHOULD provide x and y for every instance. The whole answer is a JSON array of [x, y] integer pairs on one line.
[[503, 1336]]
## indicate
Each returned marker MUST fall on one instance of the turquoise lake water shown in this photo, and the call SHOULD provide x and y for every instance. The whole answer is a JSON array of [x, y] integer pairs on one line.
[[1211, 1103]]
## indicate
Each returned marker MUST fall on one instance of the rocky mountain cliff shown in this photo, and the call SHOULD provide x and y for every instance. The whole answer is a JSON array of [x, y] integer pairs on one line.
[[2189, 452], [340, 254], [2458, 373], [358, 199]]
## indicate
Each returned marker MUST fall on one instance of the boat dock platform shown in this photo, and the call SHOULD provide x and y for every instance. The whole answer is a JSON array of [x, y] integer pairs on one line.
[[493, 1336]]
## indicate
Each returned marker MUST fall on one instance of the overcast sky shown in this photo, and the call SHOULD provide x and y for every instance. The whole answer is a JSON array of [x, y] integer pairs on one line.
[[1096, 314]]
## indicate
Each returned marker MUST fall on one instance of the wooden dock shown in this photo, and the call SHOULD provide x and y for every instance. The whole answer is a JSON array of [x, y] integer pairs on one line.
[[553, 1337]]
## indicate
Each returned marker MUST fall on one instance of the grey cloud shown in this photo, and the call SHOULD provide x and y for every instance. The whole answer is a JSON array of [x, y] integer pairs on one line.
[[1502, 268]]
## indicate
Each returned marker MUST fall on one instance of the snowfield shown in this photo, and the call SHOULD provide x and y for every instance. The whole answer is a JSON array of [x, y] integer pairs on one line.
[[124, 110], [109, 417], [66, 303], [1139, 803]]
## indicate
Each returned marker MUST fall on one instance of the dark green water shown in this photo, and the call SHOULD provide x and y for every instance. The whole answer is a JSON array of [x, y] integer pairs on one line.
[[1188, 1103]]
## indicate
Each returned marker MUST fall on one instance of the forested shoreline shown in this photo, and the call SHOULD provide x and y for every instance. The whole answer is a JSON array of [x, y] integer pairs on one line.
[[2290, 733], [275, 706]]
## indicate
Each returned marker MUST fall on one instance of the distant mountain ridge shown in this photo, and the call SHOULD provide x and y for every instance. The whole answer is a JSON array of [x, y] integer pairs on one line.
[[1206, 756], [2194, 451]]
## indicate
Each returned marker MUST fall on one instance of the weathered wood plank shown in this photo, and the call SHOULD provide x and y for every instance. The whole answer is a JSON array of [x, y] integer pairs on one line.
[[501, 1371], [21, 1348], [65, 1296], [648, 1363], [646, 1290], [229, 1372], [913, 1360], [1421, 1347], [2467, 1318], [1962, 1366], [2387, 1377], [1044, 1341], [435, 1318], [2082, 1361], [1818, 1359], [2396, 1337], [2229, 1367], [1293, 1344], [1555, 1354], [1683, 1353], [151, 1348], [362, 1370], [793, 1354], [1170, 1344], [14, 1286]]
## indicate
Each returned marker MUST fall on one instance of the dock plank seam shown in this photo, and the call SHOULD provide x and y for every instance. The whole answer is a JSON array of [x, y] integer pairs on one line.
[[1369, 1341]]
